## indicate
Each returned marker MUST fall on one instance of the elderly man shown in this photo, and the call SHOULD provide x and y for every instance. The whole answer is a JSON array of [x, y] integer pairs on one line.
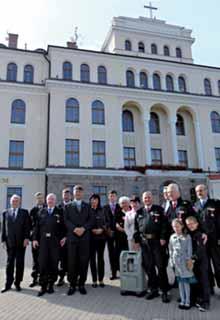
[[15, 238], [49, 235], [150, 234], [208, 211]]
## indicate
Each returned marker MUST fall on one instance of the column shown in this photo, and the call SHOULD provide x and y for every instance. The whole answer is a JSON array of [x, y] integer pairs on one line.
[[146, 119], [121, 142], [199, 144], [172, 123]]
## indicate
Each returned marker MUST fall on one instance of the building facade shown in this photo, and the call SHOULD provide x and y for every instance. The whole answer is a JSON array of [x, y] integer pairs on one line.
[[133, 116]]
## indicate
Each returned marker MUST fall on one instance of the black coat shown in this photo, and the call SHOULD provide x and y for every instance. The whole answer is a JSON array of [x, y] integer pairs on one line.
[[100, 221], [34, 212], [14, 232], [76, 219], [110, 216]]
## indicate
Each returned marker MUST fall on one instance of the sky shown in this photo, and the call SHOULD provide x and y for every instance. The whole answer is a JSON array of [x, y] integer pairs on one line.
[[43, 22]]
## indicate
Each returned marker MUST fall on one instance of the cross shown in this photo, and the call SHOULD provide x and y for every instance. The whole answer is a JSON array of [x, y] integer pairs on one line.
[[151, 9]]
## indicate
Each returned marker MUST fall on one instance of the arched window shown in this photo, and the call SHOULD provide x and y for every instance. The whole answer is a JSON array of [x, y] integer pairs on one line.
[[84, 73], [154, 124], [141, 47], [166, 51], [215, 120], [182, 84], [154, 48], [130, 79], [98, 112], [219, 87], [18, 111], [67, 70], [207, 87], [12, 72], [128, 46], [127, 121], [156, 82], [28, 74], [102, 75], [143, 80], [178, 53], [169, 83], [180, 128], [72, 110]]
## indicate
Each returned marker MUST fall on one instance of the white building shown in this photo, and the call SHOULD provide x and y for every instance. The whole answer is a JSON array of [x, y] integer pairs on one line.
[[79, 116]]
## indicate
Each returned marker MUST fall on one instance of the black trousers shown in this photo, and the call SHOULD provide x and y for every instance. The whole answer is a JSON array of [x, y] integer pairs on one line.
[[63, 264], [97, 263], [214, 256], [111, 243], [15, 259], [154, 264], [35, 263], [48, 261], [121, 245], [200, 291], [78, 261]]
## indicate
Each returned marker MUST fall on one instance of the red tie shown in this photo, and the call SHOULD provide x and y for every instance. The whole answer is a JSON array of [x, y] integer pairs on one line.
[[174, 205]]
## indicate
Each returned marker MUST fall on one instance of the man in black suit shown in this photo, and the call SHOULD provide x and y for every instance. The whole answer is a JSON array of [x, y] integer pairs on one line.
[[49, 236], [15, 238], [40, 203], [78, 220], [111, 210]]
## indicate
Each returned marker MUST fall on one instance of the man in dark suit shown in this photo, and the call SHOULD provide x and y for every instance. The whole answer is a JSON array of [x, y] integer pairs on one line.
[[78, 220], [40, 203], [111, 210], [49, 236], [15, 238]]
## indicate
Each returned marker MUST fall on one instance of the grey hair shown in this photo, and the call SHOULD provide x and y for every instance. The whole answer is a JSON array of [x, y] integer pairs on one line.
[[52, 195], [173, 186], [14, 196], [123, 199]]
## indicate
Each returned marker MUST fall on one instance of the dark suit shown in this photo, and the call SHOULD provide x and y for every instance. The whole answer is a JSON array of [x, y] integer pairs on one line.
[[111, 240], [78, 247], [14, 232], [48, 231]]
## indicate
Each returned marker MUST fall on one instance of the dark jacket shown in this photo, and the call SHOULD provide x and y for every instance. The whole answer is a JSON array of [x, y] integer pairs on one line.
[[199, 250], [100, 221], [14, 232], [75, 219], [33, 218], [111, 216]]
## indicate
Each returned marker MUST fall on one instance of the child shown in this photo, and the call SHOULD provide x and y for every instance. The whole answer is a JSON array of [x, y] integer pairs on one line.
[[180, 250], [200, 290]]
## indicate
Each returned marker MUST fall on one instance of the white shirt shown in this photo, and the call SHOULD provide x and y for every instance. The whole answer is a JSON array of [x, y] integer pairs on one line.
[[129, 223], [16, 211]]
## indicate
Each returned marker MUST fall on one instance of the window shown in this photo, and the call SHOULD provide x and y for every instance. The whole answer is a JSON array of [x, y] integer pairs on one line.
[[156, 156], [102, 192], [99, 160], [154, 123], [28, 74], [156, 81], [169, 83], [127, 121], [72, 110], [18, 111], [10, 192], [128, 46], [143, 80], [67, 71], [16, 154], [219, 87], [129, 157], [98, 112], [217, 157], [72, 153], [84, 73], [141, 47], [178, 53], [180, 128], [154, 48], [207, 87], [12, 72], [166, 51], [215, 121], [130, 79], [102, 75], [182, 155], [182, 84]]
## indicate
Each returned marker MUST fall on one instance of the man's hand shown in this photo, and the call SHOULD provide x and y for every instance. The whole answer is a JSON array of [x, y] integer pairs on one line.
[[4, 245], [62, 242], [119, 228], [136, 246], [204, 238], [189, 264], [162, 242], [26, 243], [97, 231], [35, 244], [79, 231]]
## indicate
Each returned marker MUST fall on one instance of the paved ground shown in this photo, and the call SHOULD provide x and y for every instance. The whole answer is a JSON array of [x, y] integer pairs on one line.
[[99, 304]]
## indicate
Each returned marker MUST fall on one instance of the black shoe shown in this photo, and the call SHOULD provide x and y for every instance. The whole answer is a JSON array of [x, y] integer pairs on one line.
[[33, 284], [165, 298], [71, 291], [61, 282], [50, 289], [82, 290], [94, 285], [5, 289], [152, 294], [204, 307], [101, 284], [181, 306], [114, 278], [17, 287], [42, 291]]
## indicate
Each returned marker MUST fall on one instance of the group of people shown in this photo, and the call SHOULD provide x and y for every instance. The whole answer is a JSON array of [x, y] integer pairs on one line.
[[68, 237]]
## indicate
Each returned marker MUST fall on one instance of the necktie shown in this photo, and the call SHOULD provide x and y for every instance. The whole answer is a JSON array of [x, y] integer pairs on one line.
[[50, 211], [14, 214], [174, 205], [113, 208]]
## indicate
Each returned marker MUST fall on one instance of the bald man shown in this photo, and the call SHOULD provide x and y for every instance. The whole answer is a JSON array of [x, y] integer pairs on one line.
[[15, 238]]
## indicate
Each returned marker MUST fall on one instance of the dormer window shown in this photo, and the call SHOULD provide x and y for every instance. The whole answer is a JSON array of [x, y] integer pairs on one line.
[[128, 46], [141, 47], [154, 48]]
